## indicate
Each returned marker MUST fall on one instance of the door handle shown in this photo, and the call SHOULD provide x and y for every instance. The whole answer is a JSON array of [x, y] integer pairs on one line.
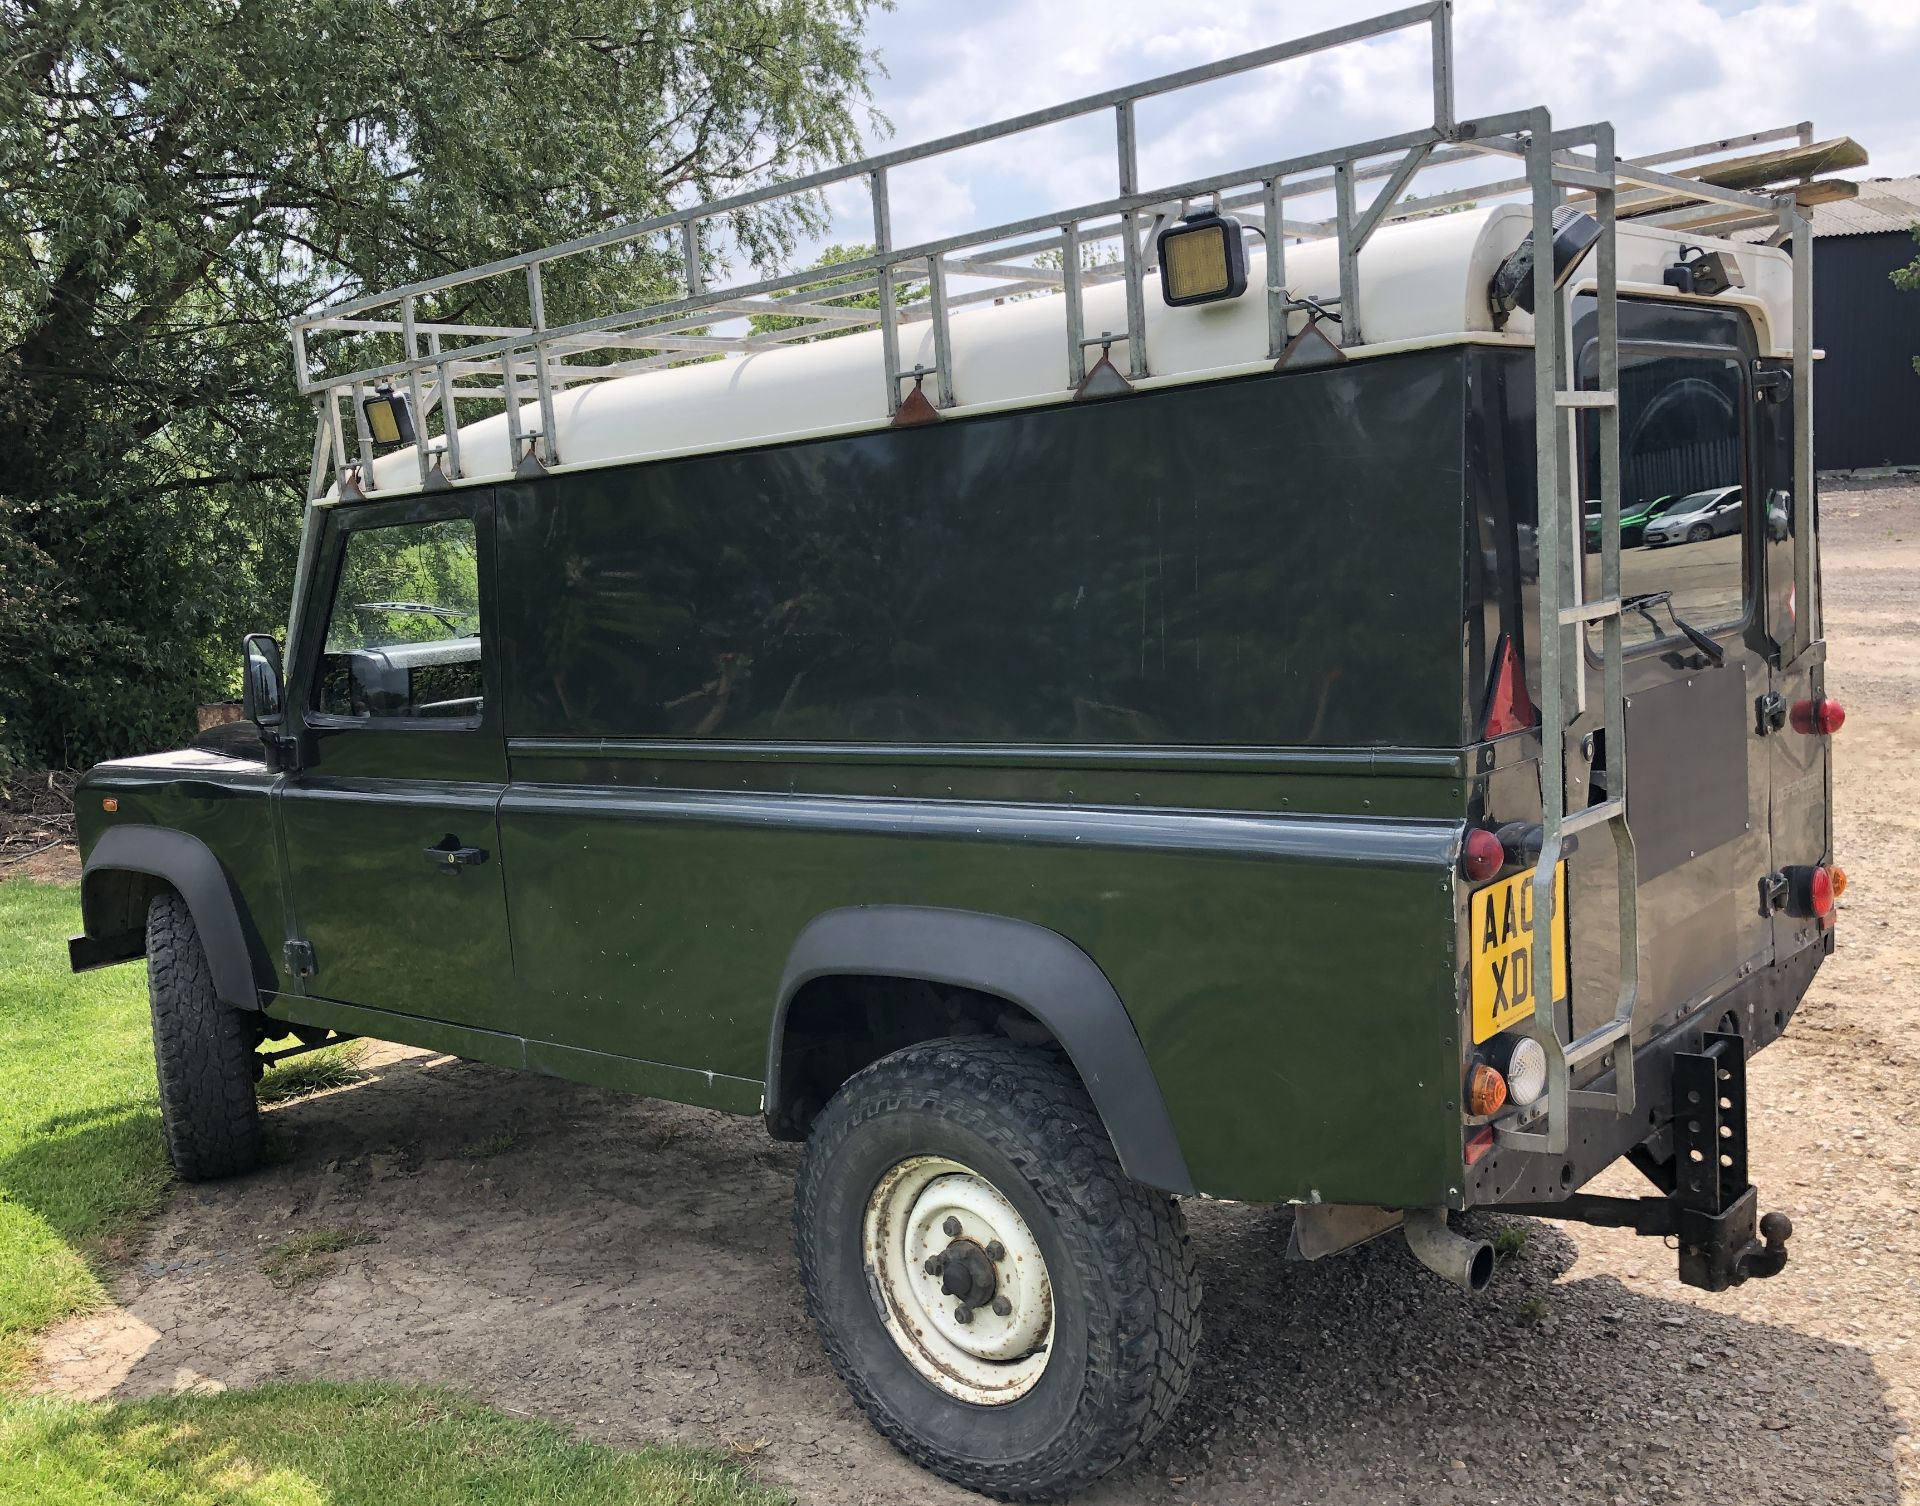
[[453, 859]]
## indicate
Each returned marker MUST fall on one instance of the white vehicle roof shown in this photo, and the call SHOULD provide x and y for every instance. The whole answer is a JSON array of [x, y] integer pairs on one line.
[[1424, 283]]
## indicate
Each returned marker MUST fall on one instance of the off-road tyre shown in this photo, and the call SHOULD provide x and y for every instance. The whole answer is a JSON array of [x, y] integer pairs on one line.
[[1126, 1296], [1699, 533], [203, 1053]]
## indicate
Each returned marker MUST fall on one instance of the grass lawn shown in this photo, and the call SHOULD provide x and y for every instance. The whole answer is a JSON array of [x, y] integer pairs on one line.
[[80, 1152], [80, 1162]]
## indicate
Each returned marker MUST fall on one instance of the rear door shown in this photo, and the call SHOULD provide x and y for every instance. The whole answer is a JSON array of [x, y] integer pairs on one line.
[[389, 823], [1800, 758], [1699, 778]]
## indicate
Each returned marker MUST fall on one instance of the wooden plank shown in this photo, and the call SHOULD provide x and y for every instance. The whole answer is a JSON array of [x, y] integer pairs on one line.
[[1754, 172], [1708, 216]]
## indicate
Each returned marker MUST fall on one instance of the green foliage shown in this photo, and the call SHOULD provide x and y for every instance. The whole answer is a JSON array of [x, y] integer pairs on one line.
[[309, 1257], [337, 1445], [821, 292], [177, 180], [1907, 279], [315, 1072], [80, 1153]]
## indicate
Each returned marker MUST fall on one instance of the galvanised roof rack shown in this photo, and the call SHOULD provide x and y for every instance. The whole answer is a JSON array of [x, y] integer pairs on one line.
[[446, 362]]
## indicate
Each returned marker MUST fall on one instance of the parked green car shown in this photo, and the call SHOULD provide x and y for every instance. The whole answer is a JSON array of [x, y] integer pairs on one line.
[[1054, 779], [1633, 520]]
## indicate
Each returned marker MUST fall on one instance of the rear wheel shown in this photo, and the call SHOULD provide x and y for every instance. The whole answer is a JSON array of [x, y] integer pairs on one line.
[[1699, 533], [1008, 1308], [203, 1053]]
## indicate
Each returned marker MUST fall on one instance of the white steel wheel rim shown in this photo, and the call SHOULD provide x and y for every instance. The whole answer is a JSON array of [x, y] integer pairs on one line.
[[1000, 1352]]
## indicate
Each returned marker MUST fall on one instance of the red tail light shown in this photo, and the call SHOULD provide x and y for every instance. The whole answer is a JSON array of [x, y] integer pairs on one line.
[[1820, 718], [1481, 855], [1509, 708], [1820, 892]]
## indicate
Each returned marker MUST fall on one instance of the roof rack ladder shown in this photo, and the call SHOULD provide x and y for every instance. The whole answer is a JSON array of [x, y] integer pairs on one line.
[[1562, 634]]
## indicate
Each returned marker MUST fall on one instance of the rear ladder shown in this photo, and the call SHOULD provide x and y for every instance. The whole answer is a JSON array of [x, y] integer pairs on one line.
[[1564, 619]]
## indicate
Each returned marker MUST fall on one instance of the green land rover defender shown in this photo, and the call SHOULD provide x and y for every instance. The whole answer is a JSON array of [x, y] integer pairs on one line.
[[1100, 730]]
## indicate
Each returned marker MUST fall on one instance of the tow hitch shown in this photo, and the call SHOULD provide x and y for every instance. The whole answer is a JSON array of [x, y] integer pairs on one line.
[[1709, 1205]]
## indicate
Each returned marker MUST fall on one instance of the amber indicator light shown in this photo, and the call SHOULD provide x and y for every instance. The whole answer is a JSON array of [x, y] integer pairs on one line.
[[109, 805]]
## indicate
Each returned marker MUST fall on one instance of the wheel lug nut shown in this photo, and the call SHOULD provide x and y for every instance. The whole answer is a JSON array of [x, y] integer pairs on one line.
[[963, 1314], [997, 1251], [933, 1265], [1002, 1308], [951, 1227]]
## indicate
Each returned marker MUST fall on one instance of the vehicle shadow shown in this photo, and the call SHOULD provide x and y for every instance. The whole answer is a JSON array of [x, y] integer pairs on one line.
[[1364, 1378], [84, 1170], [625, 1267]]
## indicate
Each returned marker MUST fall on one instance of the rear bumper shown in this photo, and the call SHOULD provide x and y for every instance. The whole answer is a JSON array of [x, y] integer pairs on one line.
[[1760, 1006]]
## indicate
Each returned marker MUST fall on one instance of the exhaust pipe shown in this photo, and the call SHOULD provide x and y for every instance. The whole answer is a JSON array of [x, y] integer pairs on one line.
[[1467, 1263]]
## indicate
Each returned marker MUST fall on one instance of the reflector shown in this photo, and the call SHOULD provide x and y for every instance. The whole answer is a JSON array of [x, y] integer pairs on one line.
[[1509, 708]]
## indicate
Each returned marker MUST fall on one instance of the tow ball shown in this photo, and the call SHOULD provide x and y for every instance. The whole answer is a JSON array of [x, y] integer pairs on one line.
[[1709, 1206]]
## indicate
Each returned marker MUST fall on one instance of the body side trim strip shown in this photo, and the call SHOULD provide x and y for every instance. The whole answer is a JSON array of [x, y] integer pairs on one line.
[[1391, 843]]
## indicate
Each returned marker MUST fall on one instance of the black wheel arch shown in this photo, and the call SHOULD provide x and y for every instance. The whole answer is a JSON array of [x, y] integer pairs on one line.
[[1031, 967], [126, 867]]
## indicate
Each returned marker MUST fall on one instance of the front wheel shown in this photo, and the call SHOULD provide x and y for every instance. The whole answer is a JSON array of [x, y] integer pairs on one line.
[[1699, 533], [1007, 1307], [203, 1053]]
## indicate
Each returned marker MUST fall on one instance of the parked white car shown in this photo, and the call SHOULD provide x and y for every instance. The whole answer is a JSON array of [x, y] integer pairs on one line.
[[1697, 517]]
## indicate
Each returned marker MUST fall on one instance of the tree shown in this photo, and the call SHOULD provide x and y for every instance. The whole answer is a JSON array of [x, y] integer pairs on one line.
[[1907, 279], [178, 178], [905, 291]]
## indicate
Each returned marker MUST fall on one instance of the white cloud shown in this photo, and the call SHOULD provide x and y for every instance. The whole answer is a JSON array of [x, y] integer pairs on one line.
[[1666, 72]]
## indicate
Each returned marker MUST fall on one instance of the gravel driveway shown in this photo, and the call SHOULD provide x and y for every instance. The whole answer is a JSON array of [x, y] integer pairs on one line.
[[626, 1267]]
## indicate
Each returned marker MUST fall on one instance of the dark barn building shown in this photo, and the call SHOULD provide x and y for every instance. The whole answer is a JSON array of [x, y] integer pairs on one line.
[[1866, 392]]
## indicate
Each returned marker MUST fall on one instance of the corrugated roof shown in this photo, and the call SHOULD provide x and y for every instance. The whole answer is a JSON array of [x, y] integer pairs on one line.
[[1883, 204]]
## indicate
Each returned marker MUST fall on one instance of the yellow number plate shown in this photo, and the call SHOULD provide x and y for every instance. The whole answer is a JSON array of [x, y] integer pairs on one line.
[[1500, 938]]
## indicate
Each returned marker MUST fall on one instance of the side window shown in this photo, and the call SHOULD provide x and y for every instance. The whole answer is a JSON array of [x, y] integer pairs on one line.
[[1682, 502], [403, 635]]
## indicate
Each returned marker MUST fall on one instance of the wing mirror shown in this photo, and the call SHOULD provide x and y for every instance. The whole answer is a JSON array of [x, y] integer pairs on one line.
[[262, 697]]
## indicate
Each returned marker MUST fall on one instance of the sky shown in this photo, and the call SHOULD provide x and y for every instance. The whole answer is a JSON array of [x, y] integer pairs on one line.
[[1667, 73]]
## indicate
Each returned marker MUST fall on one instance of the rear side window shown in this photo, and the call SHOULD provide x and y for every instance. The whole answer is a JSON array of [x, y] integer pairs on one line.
[[1682, 502], [403, 635]]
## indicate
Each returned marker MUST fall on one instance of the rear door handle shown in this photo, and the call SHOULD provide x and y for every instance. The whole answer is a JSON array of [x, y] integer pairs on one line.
[[453, 859]]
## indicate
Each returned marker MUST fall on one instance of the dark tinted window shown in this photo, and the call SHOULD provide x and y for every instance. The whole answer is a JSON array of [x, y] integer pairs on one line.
[[1680, 433], [403, 637], [1265, 562]]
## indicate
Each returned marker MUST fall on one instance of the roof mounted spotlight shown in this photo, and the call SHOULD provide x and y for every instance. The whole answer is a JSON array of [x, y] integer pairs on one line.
[[1707, 273], [1512, 285], [1202, 259], [389, 418]]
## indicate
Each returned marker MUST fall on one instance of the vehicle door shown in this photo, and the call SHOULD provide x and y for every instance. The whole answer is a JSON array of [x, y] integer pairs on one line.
[[1800, 755], [1696, 664], [389, 820]]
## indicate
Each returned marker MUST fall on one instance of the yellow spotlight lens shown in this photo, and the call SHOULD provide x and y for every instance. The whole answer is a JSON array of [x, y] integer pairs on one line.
[[389, 419], [1197, 263], [1201, 259]]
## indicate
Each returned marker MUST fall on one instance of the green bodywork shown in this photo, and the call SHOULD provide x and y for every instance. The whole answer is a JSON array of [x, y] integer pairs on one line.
[[1305, 572]]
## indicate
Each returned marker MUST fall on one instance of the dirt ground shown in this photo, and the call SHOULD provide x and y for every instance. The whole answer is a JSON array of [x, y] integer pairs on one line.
[[626, 1266]]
